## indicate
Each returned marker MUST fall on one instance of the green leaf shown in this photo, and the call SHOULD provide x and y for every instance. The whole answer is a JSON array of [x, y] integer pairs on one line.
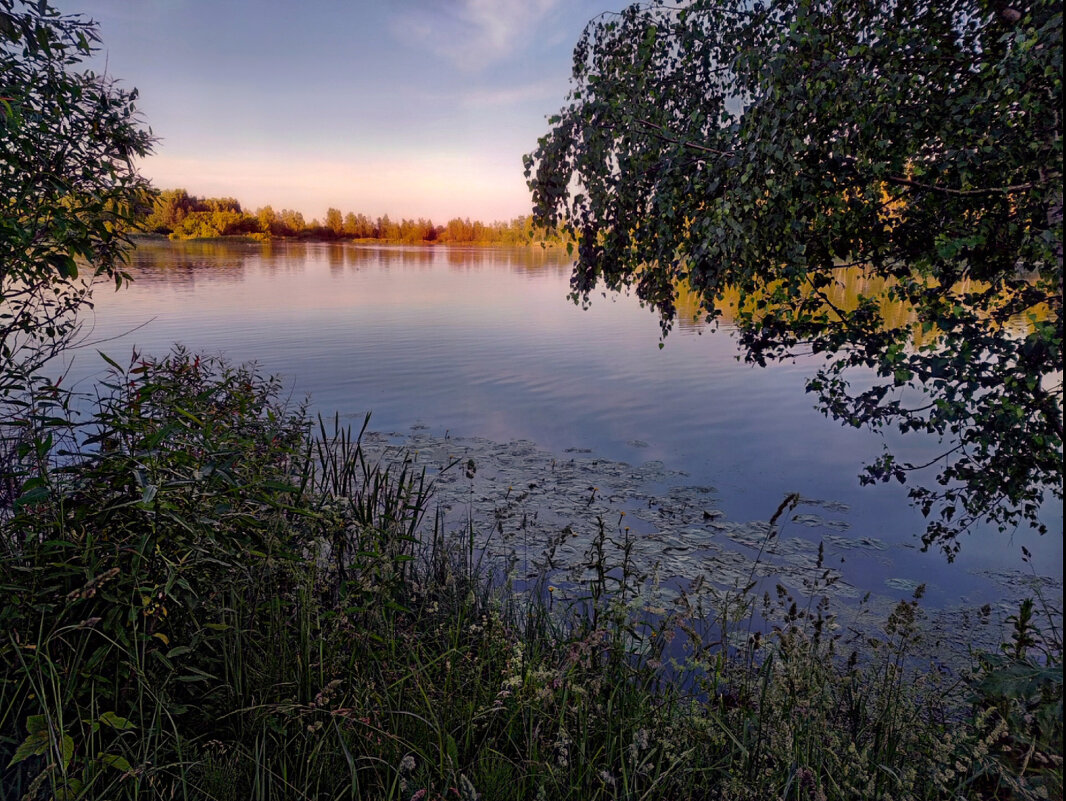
[[116, 722], [189, 415], [70, 789], [64, 265], [66, 748], [109, 360], [115, 761], [31, 497], [34, 745]]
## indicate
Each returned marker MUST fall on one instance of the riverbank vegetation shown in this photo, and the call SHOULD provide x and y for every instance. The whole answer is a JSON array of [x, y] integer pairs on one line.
[[207, 596], [180, 215]]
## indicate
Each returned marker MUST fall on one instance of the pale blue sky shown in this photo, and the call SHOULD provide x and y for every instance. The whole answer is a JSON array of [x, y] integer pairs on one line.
[[405, 107]]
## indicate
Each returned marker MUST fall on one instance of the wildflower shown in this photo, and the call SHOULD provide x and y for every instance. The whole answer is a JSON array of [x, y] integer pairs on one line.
[[641, 739], [326, 693], [562, 750], [466, 789]]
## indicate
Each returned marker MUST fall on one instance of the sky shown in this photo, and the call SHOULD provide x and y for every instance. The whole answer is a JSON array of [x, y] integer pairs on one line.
[[412, 108]]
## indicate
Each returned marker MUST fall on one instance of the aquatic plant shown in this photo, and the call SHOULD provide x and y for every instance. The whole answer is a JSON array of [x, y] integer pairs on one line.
[[208, 596]]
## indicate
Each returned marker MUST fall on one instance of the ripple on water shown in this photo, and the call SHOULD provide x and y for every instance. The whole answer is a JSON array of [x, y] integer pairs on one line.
[[540, 514]]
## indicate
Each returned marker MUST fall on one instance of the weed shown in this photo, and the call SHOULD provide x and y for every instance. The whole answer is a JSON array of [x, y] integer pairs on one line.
[[208, 596]]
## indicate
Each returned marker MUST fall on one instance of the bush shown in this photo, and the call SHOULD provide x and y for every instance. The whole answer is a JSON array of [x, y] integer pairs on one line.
[[134, 567]]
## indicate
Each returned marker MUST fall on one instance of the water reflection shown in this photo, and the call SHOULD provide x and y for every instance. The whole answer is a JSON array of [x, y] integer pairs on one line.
[[183, 263], [850, 287], [477, 342]]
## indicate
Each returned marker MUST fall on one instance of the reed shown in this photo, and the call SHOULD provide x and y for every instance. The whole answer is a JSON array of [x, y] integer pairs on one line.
[[208, 595]]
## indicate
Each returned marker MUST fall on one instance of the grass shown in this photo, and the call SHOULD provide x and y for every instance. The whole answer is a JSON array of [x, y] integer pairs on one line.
[[208, 597]]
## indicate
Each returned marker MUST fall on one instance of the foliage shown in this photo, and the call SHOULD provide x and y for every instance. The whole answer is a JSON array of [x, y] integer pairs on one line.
[[69, 190], [204, 600], [762, 147], [1021, 689], [183, 216], [176, 212], [152, 566], [125, 558]]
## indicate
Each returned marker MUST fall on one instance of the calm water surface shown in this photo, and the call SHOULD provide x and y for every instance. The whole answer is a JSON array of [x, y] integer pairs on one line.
[[478, 342]]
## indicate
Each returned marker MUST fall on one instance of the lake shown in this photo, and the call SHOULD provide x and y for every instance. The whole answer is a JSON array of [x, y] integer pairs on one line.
[[477, 348]]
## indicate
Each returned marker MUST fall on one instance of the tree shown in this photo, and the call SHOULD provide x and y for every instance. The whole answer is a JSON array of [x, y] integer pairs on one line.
[[219, 220], [763, 147], [358, 226], [222, 204], [169, 208], [291, 222], [335, 221], [387, 229], [268, 220], [69, 190]]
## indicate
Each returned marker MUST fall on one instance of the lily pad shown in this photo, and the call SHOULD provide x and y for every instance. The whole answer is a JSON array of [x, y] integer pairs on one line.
[[540, 514]]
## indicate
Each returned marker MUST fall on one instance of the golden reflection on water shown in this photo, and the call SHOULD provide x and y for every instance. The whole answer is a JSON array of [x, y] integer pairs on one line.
[[181, 263], [482, 342], [172, 262], [851, 285]]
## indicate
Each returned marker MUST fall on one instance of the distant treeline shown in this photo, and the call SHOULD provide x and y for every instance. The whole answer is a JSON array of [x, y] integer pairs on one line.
[[183, 216]]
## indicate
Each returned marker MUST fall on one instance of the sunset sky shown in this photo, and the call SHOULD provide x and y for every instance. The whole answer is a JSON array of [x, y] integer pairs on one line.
[[407, 107]]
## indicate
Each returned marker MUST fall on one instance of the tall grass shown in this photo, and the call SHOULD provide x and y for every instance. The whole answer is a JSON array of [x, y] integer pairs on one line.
[[206, 596]]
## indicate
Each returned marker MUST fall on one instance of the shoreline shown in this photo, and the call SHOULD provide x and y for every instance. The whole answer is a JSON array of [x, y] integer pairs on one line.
[[235, 576], [266, 239], [538, 513]]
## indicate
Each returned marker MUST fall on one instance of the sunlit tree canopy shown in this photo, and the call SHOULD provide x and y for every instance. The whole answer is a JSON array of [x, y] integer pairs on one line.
[[758, 149]]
